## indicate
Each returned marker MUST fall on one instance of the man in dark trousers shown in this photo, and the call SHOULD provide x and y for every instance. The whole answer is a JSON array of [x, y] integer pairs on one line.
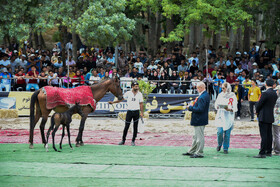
[[135, 109], [265, 114], [200, 109]]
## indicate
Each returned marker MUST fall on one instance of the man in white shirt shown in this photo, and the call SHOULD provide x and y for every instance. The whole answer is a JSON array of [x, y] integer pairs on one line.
[[53, 81], [193, 57], [139, 65], [69, 45], [238, 69], [5, 62], [23, 62], [152, 65], [134, 104]]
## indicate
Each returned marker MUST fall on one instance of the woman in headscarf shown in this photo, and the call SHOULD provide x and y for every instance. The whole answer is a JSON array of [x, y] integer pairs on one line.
[[276, 125], [226, 104]]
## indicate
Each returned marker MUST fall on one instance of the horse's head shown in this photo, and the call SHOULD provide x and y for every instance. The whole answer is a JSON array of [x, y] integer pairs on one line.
[[115, 88]]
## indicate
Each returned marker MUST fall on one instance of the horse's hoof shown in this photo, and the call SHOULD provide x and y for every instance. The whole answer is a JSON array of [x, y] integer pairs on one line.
[[82, 143], [31, 146], [78, 144]]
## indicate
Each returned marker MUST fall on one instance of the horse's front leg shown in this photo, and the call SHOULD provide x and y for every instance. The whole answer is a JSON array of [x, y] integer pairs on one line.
[[68, 132], [62, 136], [53, 135], [79, 141]]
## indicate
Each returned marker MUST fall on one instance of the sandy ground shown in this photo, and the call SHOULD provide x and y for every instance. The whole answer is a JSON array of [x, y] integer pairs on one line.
[[178, 126]]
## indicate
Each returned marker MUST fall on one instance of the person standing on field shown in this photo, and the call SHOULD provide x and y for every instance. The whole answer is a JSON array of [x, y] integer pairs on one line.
[[254, 95], [135, 109], [265, 113], [200, 109]]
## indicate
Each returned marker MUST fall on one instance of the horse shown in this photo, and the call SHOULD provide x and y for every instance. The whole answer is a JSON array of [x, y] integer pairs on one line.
[[65, 119], [39, 99]]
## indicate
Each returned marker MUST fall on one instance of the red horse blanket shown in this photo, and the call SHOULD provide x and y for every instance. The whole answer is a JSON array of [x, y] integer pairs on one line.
[[63, 96]]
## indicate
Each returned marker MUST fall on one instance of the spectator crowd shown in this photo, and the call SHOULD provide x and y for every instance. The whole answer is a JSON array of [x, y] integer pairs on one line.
[[28, 69]]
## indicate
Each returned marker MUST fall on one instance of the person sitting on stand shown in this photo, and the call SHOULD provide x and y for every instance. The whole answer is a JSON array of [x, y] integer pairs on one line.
[[20, 81], [33, 79]]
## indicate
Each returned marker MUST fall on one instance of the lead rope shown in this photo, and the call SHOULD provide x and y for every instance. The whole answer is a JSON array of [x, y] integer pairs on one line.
[[125, 120]]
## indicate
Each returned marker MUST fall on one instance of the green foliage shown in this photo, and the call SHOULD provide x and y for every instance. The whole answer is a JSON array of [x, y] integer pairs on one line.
[[99, 21], [56, 36], [18, 18], [214, 14], [145, 88], [104, 22], [271, 21]]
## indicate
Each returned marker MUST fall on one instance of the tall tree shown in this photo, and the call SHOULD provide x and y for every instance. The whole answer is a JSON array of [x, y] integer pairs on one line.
[[97, 21]]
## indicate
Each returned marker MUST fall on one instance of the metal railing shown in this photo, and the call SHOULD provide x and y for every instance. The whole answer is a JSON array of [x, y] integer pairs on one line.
[[125, 83]]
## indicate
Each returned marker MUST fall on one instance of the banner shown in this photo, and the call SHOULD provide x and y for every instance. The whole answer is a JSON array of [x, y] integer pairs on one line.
[[16, 100], [156, 103]]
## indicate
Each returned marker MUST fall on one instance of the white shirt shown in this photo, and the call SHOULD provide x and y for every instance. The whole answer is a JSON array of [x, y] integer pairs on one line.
[[72, 62], [69, 45], [23, 64], [5, 63], [54, 79], [94, 80], [133, 101], [140, 67], [196, 60], [151, 67], [237, 71], [228, 63]]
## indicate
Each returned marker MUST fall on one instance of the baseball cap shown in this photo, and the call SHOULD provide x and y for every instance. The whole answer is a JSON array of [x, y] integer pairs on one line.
[[134, 83]]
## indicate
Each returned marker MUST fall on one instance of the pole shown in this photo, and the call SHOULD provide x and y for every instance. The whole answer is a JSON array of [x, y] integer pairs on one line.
[[116, 57], [67, 69], [207, 82]]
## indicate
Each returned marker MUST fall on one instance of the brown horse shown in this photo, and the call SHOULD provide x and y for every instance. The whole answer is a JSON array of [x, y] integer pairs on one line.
[[40, 99]]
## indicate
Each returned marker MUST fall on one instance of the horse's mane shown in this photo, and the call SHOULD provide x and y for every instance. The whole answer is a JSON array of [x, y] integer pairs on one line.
[[101, 83]]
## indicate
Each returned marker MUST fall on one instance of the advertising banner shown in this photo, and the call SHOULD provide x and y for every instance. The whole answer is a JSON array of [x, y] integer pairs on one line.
[[156, 104]]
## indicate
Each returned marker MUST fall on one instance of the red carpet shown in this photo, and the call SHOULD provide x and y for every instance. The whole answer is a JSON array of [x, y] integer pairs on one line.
[[145, 139]]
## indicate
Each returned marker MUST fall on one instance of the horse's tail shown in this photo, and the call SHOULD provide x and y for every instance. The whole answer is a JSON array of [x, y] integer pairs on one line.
[[33, 101]]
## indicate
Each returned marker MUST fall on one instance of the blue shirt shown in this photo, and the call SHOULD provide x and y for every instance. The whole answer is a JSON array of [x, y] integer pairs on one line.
[[101, 75], [5, 75], [241, 79], [217, 80], [182, 68], [37, 64], [112, 60]]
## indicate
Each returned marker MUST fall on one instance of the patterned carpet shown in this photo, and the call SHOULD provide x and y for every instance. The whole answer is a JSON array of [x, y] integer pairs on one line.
[[143, 139]]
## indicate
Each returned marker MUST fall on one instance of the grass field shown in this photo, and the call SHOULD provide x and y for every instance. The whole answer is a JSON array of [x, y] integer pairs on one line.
[[108, 165]]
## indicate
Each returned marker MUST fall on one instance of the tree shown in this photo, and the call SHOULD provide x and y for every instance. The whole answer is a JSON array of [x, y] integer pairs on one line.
[[19, 19], [97, 21]]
